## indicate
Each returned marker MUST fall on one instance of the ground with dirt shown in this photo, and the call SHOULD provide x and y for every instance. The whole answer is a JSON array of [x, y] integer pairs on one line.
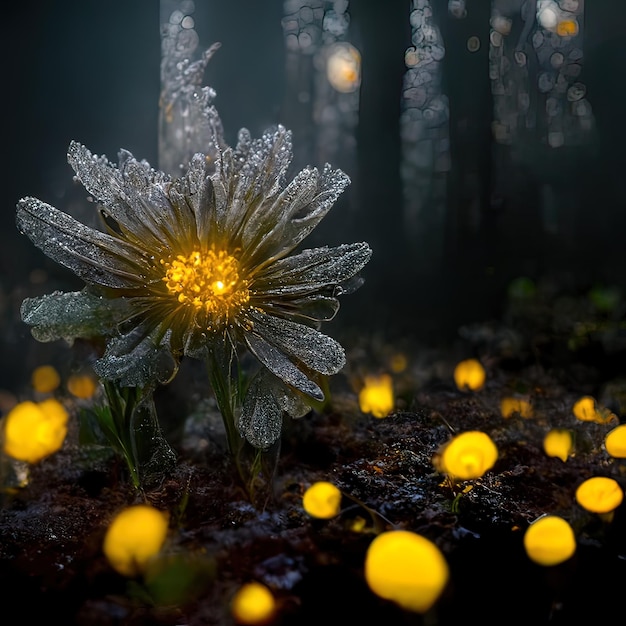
[[51, 561]]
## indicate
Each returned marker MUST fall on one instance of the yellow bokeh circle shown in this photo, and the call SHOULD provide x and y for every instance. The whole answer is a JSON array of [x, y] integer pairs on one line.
[[599, 494], [469, 375], [134, 537], [253, 604], [549, 540], [407, 569], [322, 499]]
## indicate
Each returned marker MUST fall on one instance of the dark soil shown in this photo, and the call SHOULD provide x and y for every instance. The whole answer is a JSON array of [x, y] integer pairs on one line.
[[52, 568]]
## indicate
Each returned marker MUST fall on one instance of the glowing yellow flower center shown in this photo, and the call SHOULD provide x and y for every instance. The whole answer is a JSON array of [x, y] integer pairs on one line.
[[209, 281]]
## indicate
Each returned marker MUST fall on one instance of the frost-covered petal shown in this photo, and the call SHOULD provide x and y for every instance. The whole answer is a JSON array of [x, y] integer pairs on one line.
[[315, 350], [146, 192], [105, 183], [313, 308], [298, 211], [94, 256], [73, 314], [136, 360], [277, 363], [196, 191], [261, 418], [313, 269], [248, 177]]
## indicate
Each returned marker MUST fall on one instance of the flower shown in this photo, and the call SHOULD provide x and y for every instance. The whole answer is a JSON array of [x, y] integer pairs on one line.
[[187, 266], [253, 604], [376, 396], [599, 494], [558, 443], [134, 538], [615, 442], [469, 374], [406, 568], [322, 499], [549, 540], [35, 430], [466, 456]]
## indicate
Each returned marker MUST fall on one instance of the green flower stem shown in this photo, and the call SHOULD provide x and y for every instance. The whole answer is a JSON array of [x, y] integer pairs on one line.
[[119, 433], [219, 366], [249, 461], [130, 424]]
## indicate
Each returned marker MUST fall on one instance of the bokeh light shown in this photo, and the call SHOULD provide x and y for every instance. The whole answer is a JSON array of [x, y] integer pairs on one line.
[[33, 431], [407, 569], [549, 540], [253, 604], [467, 455], [322, 500], [377, 396], [134, 537], [343, 67]]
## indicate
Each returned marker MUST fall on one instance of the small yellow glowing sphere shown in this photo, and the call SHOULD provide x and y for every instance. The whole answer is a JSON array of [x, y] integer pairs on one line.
[[322, 499], [468, 455], [45, 379], [510, 406], [599, 494], [549, 540], [585, 409], [253, 604], [469, 374], [81, 386], [558, 443], [33, 431], [376, 396], [407, 569], [134, 537], [615, 442]]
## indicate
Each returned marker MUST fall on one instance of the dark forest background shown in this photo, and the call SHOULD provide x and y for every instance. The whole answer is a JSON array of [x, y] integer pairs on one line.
[[89, 71]]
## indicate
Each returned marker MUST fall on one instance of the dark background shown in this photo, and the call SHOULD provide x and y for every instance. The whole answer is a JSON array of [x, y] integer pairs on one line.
[[89, 71]]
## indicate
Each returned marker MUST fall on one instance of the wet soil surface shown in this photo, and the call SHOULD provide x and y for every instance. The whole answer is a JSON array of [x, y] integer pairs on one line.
[[52, 567]]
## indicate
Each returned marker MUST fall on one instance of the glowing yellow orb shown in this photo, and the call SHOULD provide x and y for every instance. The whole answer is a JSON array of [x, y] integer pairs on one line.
[[599, 494], [322, 499], [253, 604], [469, 374], [549, 540], [134, 537], [468, 455], [558, 443], [376, 396], [82, 386], [407, 569], [615, 442], [33, 431], [45, 379]]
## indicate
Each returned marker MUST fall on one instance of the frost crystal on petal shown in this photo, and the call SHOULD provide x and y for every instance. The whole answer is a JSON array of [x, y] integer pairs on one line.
[[261, 418], [277, 363], [96, 257], [314, 269], [315, 350], [134, 360], [73, 314]]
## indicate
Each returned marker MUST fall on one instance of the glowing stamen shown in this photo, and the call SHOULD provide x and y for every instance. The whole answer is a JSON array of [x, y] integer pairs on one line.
[[208, 281]]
